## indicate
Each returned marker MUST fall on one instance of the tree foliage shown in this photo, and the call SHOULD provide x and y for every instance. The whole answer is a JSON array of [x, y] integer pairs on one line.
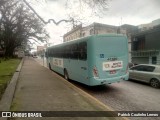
[[97, 7], [18, 24]]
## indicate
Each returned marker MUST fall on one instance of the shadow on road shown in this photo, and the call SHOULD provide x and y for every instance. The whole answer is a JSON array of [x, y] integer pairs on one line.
[[96, 89]]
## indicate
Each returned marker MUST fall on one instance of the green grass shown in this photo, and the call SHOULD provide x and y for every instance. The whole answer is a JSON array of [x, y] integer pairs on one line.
[[7, 69]]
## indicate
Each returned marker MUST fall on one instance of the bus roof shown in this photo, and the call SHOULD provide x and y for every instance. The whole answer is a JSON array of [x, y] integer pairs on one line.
[[85, 38]]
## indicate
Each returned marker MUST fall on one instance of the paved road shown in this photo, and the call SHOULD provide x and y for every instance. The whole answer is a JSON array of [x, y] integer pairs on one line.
[[127, 96]]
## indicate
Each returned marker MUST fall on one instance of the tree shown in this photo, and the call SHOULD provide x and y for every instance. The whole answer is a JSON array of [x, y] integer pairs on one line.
[[19, 22], [17, 25], [98, 8]]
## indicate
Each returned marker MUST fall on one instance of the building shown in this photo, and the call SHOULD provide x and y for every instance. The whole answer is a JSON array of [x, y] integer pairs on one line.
[[144, 27], [128, 30], [73, 34], [98, 28], [146, 46], [95, 28], [156, 22], [41, 50]]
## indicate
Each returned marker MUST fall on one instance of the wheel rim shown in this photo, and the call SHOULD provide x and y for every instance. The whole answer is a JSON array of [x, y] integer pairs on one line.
[[65, 75], [154, 83]]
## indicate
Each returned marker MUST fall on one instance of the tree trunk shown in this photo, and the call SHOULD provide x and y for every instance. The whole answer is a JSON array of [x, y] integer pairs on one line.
[[9, 52]]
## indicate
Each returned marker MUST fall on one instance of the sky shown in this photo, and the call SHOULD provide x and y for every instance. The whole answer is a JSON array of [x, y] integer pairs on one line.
[[133, 12]]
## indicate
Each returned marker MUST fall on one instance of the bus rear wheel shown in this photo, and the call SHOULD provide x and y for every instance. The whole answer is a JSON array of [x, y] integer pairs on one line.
[[66, 75], [49, 66]]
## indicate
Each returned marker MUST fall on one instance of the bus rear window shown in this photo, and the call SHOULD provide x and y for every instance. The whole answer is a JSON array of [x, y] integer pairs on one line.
[[111, 45]]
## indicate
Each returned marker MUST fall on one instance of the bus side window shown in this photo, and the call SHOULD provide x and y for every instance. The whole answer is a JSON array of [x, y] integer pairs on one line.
[[74, 51], [52, 52], [49, 52], [67, 51], [83, 51], [59, 52]]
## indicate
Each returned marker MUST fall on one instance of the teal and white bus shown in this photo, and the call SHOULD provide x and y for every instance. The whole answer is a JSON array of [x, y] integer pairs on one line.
[[93, 60]]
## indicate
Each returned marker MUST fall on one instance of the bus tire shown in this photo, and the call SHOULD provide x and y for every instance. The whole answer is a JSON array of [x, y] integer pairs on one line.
[[49, 66], [66, 76]]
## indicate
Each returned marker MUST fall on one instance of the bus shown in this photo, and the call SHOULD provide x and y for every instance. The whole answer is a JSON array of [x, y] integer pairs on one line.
[[92, 60]]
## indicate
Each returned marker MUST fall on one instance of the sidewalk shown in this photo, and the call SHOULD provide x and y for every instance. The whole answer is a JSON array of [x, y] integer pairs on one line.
[[39, 89]]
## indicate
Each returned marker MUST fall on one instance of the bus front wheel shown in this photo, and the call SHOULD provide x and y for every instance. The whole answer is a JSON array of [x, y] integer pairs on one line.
[[66, 74]]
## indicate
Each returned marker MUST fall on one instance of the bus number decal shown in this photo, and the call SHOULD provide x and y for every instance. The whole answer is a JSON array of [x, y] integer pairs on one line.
[[58, 62]]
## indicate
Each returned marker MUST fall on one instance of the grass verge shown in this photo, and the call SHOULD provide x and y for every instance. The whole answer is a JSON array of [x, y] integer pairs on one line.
[[7, 69]]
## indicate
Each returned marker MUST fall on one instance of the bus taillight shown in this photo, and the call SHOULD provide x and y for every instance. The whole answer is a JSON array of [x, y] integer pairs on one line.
[[95, 72]]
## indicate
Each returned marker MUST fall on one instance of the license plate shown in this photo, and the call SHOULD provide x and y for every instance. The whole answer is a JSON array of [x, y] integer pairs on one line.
[[112, 71], [112, 65]]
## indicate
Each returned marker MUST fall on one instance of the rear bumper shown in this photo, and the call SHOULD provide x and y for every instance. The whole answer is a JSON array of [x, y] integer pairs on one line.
[[97, 81]]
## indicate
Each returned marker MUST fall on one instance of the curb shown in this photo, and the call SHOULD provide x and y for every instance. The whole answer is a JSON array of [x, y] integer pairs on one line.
[[7, 97]]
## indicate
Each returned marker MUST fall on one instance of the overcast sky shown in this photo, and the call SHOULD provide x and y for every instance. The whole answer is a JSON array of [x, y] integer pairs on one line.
[[119, 12]]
